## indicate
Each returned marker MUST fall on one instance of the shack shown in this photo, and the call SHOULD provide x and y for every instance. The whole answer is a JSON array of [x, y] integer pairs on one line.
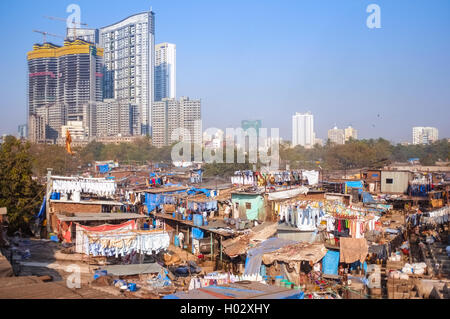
[[247, 205], [395, 182]]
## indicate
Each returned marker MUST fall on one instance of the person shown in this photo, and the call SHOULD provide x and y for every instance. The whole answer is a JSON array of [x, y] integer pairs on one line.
[[181, 239]]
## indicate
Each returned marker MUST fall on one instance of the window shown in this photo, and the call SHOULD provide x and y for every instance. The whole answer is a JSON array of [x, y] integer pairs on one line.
[[248, 205], [389, 181]]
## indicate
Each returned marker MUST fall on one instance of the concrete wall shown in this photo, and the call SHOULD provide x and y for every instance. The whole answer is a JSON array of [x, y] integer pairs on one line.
[[399, 184]]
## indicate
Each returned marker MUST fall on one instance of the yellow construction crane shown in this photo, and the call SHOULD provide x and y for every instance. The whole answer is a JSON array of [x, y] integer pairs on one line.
[[75, 25], [44, 34]]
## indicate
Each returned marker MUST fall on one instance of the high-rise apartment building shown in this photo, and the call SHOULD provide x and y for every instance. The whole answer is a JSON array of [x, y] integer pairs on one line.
[[129, 56], [115, 118], [425, 135], [22, 131], [63, 83], [303, 130], [36, 128], [336, 136], [350, 132], [165, 71], [174, 121]]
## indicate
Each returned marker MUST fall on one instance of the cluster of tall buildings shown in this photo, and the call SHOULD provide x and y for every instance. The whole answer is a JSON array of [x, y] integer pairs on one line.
[[104, 83], [340, 136], [425, 135], [303, 132]]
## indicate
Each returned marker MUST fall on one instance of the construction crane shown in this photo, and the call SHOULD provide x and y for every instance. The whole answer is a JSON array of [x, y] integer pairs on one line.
[[44, 34], [76, 25]]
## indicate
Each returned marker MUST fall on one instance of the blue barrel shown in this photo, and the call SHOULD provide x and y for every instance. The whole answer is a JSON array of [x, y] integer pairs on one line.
[[198, 220], [176, 241], [190, 217]]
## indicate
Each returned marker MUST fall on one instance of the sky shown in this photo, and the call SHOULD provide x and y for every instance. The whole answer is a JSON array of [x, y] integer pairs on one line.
[[259, 59]]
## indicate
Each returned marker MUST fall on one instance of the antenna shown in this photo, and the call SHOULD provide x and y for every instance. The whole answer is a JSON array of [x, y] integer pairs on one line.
[[44, 34], [75, 25]]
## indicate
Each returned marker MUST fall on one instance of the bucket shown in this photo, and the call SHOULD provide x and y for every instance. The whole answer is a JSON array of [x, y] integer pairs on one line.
[[132, 287]]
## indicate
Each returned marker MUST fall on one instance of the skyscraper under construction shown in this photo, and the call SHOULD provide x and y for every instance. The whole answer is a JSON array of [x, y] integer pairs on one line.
[[64, 84]]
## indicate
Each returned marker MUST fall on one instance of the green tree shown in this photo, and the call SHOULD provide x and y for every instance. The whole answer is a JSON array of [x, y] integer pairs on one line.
[[19, 193]]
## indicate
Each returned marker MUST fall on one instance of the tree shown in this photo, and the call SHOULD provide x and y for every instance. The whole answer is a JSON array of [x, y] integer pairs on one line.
[[19, 193]]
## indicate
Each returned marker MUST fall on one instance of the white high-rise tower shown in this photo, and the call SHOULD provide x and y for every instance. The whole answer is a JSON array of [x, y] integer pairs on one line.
[[303, 130], [165, 71]]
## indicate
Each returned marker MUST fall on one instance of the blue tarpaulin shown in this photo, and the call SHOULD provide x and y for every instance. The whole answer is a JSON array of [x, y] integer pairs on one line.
[[355, 184], [103, 168], [197, 233], [42, 210], [330, 263], [194, 190]]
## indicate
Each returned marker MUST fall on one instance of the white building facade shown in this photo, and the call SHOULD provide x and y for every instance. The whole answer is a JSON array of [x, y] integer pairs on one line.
[[129, 57], [303, 130], [425, 135]]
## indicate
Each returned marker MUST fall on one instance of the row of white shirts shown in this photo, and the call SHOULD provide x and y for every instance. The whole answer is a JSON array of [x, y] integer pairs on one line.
[[243, 180], [105, 188]]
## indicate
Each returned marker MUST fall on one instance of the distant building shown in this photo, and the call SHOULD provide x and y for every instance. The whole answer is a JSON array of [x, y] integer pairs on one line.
[[129, 61], [350, 132], [425, 135], [336, 136], [76, 129], [62, 82], [175, 120], [303, 130], [22, 131], [165, 71], [114, 118], [318, 141], [36, 125]]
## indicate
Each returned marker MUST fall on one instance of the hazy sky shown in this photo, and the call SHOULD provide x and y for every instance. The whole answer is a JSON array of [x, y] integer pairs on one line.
[[258, 59]]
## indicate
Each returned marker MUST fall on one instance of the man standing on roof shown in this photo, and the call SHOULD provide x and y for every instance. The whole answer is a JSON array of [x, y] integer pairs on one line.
[[181, 239]]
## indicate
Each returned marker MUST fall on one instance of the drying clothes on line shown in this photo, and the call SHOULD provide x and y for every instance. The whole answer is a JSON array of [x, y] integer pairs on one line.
[[419, 190], [198, 207], [312, 176], [98, 186], [125, 243], [439, 216]]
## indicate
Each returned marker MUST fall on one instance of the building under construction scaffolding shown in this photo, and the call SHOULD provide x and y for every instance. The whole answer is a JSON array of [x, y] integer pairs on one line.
[[64, 84]]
